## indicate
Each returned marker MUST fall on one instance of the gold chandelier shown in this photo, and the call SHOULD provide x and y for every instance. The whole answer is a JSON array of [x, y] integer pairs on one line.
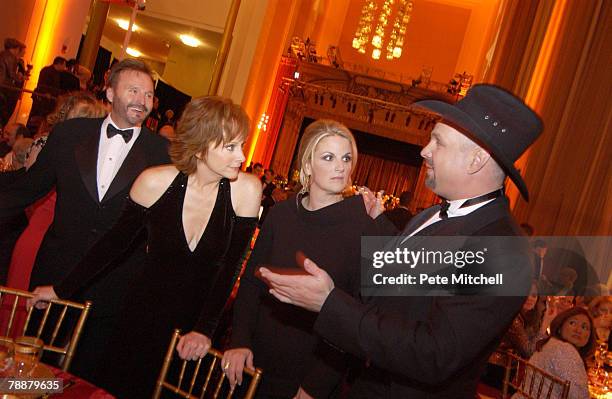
[[395, 43]]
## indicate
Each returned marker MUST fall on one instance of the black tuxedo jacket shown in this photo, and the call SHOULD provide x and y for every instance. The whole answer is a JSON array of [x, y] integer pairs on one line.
[[430, 347], [69, 162], [399, 217]]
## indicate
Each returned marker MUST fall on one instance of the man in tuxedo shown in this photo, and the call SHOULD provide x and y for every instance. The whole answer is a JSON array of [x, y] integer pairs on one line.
[[92, 164], [437, 346]]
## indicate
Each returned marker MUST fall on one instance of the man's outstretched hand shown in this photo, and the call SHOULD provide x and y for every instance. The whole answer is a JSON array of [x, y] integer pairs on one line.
[[307, 291]]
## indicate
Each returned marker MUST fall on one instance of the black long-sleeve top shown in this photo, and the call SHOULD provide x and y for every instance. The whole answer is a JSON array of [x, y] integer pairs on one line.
[[280, 335]]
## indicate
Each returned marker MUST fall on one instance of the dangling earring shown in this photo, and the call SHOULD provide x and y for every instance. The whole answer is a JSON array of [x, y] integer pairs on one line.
[[306, 185]]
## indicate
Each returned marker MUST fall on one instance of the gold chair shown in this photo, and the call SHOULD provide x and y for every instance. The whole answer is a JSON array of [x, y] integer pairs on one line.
[[530, 381], [60, 334], [206, 381]]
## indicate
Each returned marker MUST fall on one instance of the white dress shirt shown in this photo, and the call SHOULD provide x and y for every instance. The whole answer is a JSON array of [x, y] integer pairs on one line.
[[111, 154], [454, 210]]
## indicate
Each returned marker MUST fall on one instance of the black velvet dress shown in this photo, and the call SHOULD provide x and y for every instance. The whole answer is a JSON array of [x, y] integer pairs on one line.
[[179, 288]]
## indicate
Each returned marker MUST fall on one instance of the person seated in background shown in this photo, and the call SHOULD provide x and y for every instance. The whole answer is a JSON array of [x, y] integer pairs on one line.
[[400, 215], [20, 153], [526, 330], [267, 200], [257, 170], [563, 354], [11, 133], [11, 169], [601, 311]]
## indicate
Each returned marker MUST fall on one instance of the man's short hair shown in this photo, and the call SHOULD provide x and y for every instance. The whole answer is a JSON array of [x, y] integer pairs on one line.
[[405, 198], [71, 62], [129, 64], [10, 43], [59, 60]]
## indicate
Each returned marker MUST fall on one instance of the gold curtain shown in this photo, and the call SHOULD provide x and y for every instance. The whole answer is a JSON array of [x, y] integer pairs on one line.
[[568, 84]]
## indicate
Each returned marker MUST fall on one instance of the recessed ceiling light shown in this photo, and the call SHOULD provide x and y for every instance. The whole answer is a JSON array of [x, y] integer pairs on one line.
[[124, 24], [190, 41], [133, 52]]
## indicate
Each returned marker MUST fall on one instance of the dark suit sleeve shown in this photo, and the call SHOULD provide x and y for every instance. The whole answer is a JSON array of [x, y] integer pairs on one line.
[[456, 331], [102, 256], [35, 183], [431, 350], [246, 306], [228, 271]]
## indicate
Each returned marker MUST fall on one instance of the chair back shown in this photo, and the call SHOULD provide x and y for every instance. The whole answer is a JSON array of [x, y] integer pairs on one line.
[[59, 326], [530, 381], [199, 378]]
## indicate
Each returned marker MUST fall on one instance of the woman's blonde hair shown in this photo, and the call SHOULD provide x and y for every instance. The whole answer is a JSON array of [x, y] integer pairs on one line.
[[78, 104], [314, 133], [206, 121]]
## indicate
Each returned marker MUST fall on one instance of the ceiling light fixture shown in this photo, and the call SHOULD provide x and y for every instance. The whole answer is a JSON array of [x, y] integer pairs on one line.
[[124, 24], [133, 52], [371, 31], [190, 41]]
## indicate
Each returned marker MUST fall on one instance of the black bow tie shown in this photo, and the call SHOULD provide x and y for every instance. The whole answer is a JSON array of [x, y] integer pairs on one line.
[[112, 131], [444, 205]]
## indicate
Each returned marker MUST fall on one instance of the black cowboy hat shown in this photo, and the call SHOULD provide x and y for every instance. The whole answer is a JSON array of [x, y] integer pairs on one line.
[[497, 120]]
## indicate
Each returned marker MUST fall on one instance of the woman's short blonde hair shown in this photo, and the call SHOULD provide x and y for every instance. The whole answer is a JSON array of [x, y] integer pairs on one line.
[[77, 104], [314, 133], [206, 121]]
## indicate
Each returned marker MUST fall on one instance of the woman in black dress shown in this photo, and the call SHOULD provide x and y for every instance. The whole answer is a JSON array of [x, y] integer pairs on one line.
[[277, 337], [199, 214]]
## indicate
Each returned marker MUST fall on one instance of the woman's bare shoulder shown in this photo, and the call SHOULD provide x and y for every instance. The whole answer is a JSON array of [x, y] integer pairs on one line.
[[152, 183], [246, 194]]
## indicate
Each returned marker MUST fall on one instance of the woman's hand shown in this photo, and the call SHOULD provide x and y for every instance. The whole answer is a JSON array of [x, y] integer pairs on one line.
[[193, 346], [550, 313], [373, 203], [233, 363], [42, 296]]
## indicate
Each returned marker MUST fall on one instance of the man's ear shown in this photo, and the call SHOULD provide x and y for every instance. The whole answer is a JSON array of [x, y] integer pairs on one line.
[[478, 159], [109, 94]]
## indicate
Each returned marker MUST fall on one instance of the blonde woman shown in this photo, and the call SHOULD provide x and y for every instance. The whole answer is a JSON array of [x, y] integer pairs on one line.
[[319, 223]]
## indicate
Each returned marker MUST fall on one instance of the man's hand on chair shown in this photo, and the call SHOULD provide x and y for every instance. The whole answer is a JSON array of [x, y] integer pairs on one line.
[[42, 295]]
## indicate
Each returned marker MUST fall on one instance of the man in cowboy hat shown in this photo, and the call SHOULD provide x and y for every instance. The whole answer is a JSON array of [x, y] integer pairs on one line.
[[437, 346]]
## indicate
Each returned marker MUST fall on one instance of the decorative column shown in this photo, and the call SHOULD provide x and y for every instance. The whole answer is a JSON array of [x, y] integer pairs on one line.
[[89, 52]]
